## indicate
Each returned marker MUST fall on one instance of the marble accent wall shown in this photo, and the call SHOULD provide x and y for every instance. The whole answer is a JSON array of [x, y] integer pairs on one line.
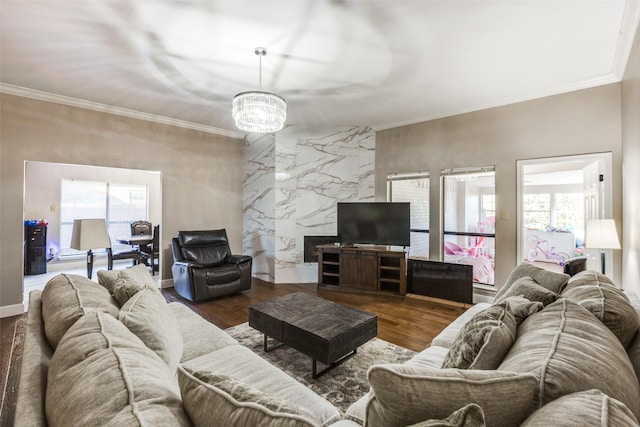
[[258, 199], [308, 172]]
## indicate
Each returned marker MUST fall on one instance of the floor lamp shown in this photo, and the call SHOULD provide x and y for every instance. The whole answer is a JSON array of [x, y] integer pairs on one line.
[[89, 234], [602, 234]]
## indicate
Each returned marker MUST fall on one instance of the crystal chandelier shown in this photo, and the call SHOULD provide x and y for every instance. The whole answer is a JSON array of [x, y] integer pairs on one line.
[[259, 111]]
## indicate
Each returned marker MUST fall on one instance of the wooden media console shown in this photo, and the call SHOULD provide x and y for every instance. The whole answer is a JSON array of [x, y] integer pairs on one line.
[[365, 268]]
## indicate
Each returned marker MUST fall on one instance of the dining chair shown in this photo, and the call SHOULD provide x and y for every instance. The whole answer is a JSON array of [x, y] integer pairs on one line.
[[133, 255], [140, 227], [149, 253]]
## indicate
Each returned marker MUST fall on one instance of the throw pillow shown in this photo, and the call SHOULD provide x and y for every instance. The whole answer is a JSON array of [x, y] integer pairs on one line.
[[404, 395], [148, 316], [467, 416], [218, 400], [545, 278], [528, 288], [587, 408], [66, 298], [521, 307], [483, 342], [107, 279], [131, 280], [595, 292], [102, 374]]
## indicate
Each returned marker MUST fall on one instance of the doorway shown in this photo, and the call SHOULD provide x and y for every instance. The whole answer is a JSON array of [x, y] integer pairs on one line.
[[43, 200], [556, 198]]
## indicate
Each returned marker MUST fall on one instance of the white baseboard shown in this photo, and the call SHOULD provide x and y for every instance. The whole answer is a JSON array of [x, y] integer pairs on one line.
[[166, 283], [12, 310]]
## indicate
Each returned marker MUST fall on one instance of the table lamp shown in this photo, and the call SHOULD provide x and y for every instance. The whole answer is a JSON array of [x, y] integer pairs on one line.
[[89, 234], [602, 234]]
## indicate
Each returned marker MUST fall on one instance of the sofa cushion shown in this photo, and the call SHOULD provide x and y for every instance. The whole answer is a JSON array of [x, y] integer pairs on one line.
[[470, 415], [102, 374], [241, 364], [234, 403], [66, 298], [634, 348], [545, 278], [634, 354], [199, 337], [148, 316], [569, 350], [528, 288], [586, 408], [484, 340], [595, 292], [404, 394], [431, 357]]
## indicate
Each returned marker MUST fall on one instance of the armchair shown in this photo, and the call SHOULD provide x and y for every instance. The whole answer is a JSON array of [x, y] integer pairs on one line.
[[204, 267], [574, 265]]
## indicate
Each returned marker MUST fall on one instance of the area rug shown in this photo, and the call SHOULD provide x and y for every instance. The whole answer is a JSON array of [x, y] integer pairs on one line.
[[342, 385]]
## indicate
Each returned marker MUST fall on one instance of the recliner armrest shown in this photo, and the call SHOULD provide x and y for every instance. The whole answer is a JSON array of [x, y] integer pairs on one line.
[[188, 264], [238, 259]]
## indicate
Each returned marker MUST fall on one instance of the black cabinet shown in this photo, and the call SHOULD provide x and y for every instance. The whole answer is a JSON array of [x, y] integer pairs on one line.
[[35, 249], [453, 282]]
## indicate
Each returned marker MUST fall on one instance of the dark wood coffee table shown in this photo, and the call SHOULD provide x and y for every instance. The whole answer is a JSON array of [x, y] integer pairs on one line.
[[323, 330]]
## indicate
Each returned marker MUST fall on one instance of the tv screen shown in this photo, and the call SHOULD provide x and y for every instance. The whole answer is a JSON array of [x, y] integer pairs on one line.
[[375, 223]]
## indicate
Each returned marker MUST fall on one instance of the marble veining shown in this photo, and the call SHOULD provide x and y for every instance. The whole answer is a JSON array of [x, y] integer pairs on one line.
[[293, 180]]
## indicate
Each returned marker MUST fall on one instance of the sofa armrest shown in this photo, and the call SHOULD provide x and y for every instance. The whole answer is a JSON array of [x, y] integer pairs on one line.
[[35, 365]]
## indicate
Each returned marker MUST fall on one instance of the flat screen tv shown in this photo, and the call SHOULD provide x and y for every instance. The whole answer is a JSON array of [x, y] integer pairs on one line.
[[375, 223]]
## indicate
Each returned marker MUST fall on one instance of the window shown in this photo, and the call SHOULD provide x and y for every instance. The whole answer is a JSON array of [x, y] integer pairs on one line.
[[413, 188], [469, 219], [119, 204]]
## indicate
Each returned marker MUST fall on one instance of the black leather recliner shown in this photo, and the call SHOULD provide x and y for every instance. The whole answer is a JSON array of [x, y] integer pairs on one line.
[[575, 265], [203, 266]]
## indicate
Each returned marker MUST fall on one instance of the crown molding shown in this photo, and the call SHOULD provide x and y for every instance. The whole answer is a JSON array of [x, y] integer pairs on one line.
[[89, 105], [628, 28]]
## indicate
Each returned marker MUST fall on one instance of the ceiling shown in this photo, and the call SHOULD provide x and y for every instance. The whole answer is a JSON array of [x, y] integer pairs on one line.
[[337, 62]]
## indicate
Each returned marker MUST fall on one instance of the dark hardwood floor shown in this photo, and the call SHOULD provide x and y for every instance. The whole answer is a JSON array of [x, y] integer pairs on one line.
[[410, 321]]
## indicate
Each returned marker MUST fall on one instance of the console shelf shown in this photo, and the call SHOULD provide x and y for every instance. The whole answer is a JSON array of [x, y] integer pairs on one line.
[[366, 269]]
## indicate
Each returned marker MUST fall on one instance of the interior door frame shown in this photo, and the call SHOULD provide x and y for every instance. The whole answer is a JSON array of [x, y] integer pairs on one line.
[[606, 207], [82, 172]]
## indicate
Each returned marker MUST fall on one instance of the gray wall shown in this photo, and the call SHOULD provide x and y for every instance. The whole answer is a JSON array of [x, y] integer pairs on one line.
[[631, 169], [585, 121], [201, 172]]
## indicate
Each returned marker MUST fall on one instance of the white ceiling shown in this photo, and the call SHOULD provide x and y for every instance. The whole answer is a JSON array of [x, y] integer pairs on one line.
[[337, 62]]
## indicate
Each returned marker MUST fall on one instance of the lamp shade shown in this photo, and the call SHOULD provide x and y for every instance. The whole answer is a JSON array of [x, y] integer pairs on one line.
[[89, 234], [602, 234]]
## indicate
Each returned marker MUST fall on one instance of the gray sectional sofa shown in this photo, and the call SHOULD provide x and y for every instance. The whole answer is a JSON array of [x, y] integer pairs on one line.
[[551, 350]]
